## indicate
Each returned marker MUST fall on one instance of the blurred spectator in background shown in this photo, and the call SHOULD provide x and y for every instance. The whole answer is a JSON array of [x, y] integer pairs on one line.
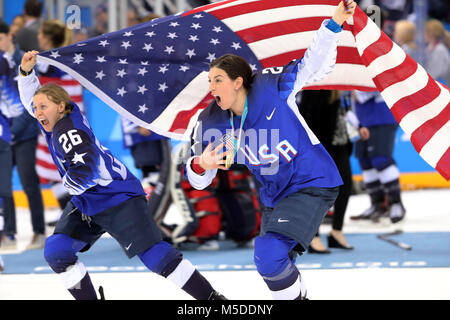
[[101, 21], [374, 152], [437, 58], [26, 37], [80, 35], [24, 134], [404, 36], [326, 116], [17, 24], [132, 17]]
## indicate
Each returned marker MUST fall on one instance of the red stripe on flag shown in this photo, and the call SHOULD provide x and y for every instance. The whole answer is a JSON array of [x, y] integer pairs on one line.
[[180, 122], [265, 5], [280, 28], [412, 102], [360, 20], [349, 87], [345, 55], [402, 72], [443, 166], [58, 81], [377, 49], [46, 165], [424, 133]]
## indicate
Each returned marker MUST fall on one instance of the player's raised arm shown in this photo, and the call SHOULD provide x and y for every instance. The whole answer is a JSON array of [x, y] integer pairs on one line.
[[320, 57], [28, 82]]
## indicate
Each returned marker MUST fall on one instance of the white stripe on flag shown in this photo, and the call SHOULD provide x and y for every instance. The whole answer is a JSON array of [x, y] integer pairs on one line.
[[405, 88], [367, 36], [359, 76], [435, 148], [387, 61], [186, 99], [75, 90], [44, 156], [418, 117], [231, 4], [294, 41], [255, 19], [48, 174]]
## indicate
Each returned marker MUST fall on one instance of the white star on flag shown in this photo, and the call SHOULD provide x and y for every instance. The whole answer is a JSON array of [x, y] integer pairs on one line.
[[125, 44], [190, 53], [236, 45], [142, 89], [103, 43], [193, 38], [169, 50], [162, 87], [121, 91], [163, 69], [142, 108], [100, 59], [211, 57], [172, 35], [121, 73], [100, 75], [147, 47], [142, 71], [78, 58], [215, 41], [55, 54]]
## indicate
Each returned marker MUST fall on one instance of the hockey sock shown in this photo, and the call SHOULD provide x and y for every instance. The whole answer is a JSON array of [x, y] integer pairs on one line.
[[163, 259], [389, 178], [84, 290], [373, 186]]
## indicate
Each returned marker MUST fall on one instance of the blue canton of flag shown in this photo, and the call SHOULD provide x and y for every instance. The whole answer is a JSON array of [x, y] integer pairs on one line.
[[154, 73]]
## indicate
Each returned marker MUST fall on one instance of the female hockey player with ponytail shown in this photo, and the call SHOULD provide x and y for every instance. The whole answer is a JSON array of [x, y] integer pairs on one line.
[[299, 179], [106, 197]]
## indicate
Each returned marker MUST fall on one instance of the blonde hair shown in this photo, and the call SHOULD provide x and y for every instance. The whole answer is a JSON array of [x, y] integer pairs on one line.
[[57, 32], [56, 94], [435, 29], [405, 31]]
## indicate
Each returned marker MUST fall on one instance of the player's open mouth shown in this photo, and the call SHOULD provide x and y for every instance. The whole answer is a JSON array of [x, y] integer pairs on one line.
[[44, 122], [217, 99]]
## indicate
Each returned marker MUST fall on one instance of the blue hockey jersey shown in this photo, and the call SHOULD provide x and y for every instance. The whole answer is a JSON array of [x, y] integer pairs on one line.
[[92, 175], [371, 109], [276, 144]]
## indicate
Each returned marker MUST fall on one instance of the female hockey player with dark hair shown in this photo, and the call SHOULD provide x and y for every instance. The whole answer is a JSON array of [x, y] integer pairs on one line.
[[106, 197], [299, 179]]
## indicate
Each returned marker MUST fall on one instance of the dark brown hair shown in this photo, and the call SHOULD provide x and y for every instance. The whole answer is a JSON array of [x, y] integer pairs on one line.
[[235, 66]]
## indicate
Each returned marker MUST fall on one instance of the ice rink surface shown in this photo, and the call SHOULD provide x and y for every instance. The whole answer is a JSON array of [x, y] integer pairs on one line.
[[374, 270]]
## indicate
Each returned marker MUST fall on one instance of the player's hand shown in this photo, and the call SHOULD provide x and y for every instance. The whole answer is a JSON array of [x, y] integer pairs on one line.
[[364, 133], [214, 159], [28, 60], [344, 10]]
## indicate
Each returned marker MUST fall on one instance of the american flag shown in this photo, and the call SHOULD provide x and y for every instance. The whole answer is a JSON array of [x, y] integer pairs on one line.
[[155, 73]]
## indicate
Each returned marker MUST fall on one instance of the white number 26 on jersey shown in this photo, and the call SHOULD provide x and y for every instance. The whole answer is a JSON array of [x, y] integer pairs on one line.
[[69, 140]]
